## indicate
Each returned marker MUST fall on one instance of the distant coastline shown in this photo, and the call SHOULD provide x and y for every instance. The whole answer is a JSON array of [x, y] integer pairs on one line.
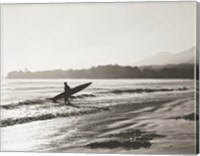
[[185, 71]]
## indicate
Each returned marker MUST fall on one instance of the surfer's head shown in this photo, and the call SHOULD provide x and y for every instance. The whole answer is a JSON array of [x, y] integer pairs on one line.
[[65, 83]]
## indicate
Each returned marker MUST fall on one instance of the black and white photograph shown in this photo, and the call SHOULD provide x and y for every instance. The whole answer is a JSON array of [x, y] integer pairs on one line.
[[114, 78]]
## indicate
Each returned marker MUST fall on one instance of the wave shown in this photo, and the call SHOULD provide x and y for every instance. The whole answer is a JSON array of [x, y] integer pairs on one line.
[[23, 103], [82, 96], [30, 88], [146, 90], [11, 121], [40, 101], [37, 88]]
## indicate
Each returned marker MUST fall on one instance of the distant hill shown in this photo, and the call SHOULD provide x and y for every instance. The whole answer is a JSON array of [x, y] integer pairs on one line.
[[164, 58], [111, 72]]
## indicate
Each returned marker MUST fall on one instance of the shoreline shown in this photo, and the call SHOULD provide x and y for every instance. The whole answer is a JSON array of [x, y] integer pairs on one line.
[[141, 121]]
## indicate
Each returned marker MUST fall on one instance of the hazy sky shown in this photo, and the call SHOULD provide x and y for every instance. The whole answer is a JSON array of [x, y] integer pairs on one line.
[[52, 36]]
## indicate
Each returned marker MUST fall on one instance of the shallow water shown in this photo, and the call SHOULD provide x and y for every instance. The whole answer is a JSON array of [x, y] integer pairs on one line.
[[109, 114]]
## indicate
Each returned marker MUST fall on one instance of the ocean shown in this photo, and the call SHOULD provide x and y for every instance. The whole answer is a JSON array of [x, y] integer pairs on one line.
[[110, 116]]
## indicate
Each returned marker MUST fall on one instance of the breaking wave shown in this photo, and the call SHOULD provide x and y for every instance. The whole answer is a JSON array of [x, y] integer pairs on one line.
[[40, 101], [23, 103], [11, 121]]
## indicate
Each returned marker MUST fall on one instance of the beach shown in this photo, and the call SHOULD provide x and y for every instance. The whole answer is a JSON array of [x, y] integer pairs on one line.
[[110, 116]]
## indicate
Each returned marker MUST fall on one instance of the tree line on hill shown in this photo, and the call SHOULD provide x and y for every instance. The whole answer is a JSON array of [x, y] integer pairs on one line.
[[111, 72]]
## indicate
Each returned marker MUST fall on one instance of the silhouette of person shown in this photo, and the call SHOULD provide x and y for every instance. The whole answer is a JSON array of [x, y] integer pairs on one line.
[[67, 89]]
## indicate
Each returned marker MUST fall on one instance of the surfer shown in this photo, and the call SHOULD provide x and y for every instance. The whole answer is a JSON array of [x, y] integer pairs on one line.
[[67, 89], [68, 92]]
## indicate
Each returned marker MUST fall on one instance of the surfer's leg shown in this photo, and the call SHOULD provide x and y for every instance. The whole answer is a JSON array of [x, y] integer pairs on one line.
[[68, 102], [54, 101], [65, 100]]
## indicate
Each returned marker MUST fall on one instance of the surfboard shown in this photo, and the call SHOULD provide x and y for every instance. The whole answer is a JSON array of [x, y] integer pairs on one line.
[[71, 92]]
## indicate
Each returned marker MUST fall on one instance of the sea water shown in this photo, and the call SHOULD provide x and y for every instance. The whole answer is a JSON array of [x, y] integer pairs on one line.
[[111, 113], [30, 98]]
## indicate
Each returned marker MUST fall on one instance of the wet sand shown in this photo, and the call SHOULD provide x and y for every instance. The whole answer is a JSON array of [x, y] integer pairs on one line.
[[146, 128]]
